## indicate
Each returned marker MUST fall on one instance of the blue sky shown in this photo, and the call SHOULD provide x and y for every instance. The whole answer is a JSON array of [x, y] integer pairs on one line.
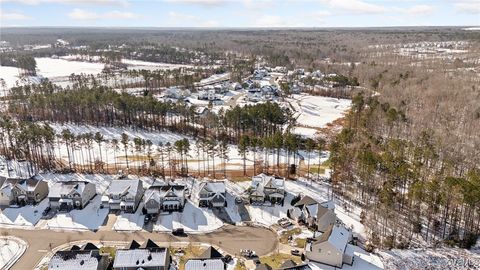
[[239, 13]]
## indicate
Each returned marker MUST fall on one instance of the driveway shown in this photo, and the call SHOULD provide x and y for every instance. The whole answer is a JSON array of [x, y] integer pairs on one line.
[[229, 238]]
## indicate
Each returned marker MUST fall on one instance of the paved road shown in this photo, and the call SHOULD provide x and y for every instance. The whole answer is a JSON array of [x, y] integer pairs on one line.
[[230, 238]]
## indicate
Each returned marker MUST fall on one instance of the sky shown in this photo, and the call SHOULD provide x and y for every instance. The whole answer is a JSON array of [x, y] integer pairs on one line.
[[239, 13]]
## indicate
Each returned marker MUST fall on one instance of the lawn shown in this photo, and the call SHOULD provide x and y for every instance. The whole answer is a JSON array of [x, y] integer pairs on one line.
[[286, 234], [277, 259], [190, 251]]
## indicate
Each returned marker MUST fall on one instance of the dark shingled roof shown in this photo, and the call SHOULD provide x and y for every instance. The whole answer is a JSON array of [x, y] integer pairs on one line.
[[211, 253], [306, 200], [288, 264], [149, 244], [133, 245], [89, 246]]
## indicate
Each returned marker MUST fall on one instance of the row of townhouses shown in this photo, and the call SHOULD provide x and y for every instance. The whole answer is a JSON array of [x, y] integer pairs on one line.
[[146, 256]]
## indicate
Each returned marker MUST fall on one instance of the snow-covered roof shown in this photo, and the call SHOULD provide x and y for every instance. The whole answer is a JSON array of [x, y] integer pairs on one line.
[[64, 188], [123, 186], [215, 187], [337, 235], [205, 264], [75, 260], [144, 257]]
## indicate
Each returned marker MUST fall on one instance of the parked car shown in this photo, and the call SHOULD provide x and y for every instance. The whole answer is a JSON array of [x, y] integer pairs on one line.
[[295, 252], [45, 212], [178, 232], [227, 259], [147, 219], [238, 200], [248, 253], [284, 222]]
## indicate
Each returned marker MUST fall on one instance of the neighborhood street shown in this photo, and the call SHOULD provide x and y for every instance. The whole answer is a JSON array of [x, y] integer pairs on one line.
[[229, 238]]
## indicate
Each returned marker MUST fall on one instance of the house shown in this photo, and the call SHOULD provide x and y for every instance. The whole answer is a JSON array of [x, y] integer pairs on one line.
[[319, 216], [148, 256], [212, 194], [166, 197], [16, 191], [210, 259], [86, 258], [265, 188], [291, 265], [332, 247], [124, 195], [65, 196]]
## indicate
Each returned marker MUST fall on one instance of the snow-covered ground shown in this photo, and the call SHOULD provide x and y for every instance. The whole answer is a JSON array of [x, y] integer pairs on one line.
[[433, 259], [53, 68], [138, 64], [24, 217], [192, 219], [89, 218], [11, 249], [130, 221], [138, 158], [317, 111]]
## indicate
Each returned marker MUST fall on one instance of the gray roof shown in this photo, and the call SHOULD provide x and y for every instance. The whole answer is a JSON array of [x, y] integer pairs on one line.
[[124, 186], [60, 188], [205, 264], [215, 187], [142, 257]]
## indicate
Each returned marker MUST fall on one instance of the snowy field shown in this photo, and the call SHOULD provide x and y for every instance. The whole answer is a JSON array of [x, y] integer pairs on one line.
[[317, 111], [10, 251], [130, 221], [138, 64], [53, 68], [433, 259]]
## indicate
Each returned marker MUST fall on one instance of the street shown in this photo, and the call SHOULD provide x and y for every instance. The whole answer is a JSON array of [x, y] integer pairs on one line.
[[229, 238]]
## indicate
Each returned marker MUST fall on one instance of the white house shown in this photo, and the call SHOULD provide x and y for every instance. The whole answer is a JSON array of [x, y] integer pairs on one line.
[[266, 188], [124, 195], [319, 216], [166, 197], [70, 195], [331, 247], [212, 194]]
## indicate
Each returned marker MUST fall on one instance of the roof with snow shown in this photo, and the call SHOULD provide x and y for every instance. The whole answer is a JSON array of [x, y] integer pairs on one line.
[[215, 187], [337, 235], [123, 186], [205, 264], [75, 260], [64, 188], [146, 255]]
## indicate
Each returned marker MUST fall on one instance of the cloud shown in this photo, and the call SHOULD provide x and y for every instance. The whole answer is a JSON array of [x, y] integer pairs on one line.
[[471, 7], [13, 16], [122, 3], [354, 6], [186, 20], [81, 14], [419, 10], [207, 3]]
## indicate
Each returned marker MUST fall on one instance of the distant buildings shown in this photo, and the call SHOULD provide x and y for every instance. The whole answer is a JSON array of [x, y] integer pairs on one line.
[[124, 195], [14, 191]]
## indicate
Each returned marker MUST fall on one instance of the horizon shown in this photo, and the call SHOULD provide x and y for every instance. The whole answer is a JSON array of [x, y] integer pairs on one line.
[[227, 14]]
